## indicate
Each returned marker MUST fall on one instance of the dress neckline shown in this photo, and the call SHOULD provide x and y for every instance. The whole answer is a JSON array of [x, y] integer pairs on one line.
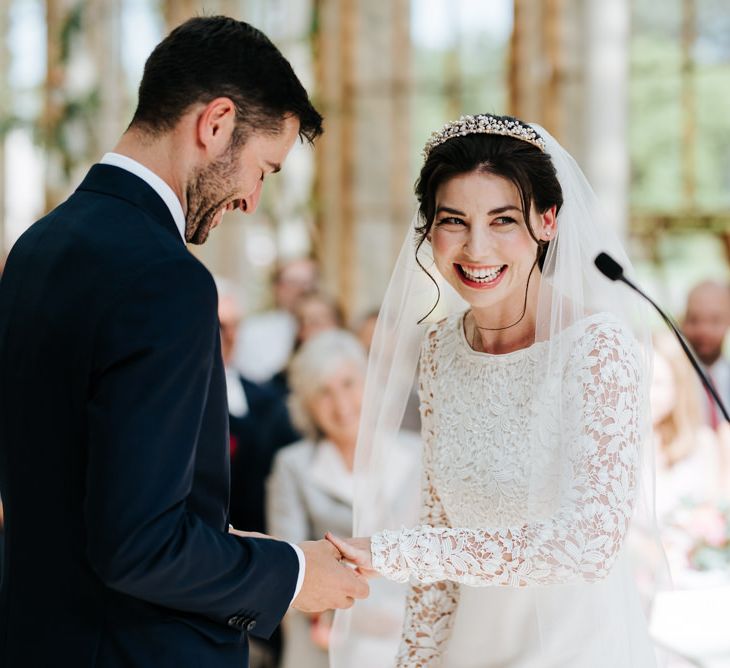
[[527, 350]]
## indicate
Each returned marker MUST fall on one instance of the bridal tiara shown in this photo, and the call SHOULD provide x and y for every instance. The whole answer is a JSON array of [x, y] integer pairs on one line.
[[484, 124]]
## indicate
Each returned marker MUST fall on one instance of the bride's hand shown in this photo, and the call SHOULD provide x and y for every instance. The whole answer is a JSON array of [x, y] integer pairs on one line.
[[356, 551]]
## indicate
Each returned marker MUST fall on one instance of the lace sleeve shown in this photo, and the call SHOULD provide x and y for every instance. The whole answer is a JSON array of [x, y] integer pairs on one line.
[[583, 537], [430, 607]]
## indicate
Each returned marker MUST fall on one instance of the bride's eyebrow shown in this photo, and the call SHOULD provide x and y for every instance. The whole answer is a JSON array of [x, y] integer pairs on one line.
[[448, 209], [503, 209]]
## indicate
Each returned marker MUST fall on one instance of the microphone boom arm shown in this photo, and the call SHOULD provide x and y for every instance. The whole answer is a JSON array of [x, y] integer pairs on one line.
[[612, 270]]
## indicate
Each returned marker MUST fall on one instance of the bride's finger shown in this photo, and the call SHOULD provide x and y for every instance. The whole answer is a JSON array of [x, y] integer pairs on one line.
[[345, 548]]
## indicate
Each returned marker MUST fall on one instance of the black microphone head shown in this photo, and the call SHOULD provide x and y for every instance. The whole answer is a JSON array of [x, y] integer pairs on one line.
[[609, 267]]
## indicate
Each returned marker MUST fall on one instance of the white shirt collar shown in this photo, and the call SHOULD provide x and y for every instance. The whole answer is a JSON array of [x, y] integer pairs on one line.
[[153, 181]]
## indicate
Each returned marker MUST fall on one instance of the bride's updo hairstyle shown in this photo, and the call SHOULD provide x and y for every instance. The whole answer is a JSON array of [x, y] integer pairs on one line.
[[520, 161]]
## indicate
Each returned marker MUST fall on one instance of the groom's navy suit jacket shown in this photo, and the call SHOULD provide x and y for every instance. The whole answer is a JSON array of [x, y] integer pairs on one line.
[[114, 449]]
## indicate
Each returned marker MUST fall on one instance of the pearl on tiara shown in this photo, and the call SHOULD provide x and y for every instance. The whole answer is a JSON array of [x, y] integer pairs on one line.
[[484, 124]]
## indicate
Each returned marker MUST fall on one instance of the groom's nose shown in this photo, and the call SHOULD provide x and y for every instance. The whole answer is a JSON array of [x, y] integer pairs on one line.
[[251, 201]]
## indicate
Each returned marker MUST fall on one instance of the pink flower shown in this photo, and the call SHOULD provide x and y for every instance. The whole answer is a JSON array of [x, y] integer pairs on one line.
[[709, 526]]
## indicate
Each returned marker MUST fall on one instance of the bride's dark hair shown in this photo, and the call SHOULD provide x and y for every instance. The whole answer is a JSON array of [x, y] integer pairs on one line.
[[525, 165]]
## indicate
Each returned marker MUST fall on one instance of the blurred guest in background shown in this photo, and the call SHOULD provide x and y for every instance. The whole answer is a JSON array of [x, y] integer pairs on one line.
[[365, 331], [706, 322], [310, 490], [266, 340], [692, 459], [316, 312], [249, 405], [313, 313], [365, 328]]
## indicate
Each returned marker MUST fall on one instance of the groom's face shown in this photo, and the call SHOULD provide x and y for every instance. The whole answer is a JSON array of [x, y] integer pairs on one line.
[[235, 180]]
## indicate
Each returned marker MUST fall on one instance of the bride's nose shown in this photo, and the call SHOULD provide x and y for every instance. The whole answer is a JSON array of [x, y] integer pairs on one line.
[[478, 242]]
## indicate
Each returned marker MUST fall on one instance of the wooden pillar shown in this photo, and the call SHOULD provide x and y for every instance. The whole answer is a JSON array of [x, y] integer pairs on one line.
[[605, 156], [568, 71], [57, 12], [6, 110], [328, 201], [347, 142], [537, 62], [689, 133], [402, 199], [552, 83], [176, 12], [103, 26], [363, 189]]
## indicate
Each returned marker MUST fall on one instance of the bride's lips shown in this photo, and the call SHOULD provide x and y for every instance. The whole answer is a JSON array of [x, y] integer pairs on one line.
[[484, 284]]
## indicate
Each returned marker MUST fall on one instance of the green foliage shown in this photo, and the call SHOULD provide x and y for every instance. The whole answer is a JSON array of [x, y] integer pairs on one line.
[[659, 150]]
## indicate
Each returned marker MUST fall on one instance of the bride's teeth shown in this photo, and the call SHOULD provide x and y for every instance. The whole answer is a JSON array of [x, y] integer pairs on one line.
[[482, 275]]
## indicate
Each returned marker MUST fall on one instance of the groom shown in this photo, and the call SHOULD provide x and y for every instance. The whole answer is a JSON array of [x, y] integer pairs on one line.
[[113, 420]]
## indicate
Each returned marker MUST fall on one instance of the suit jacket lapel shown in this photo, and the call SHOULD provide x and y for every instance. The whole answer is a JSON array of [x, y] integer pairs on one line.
[[117, 182]]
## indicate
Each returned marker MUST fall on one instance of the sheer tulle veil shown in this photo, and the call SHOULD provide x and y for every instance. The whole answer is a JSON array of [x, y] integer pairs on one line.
[[571, 289]]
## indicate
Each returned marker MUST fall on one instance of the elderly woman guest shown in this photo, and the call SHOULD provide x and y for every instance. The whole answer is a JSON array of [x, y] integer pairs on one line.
[[310, 490]]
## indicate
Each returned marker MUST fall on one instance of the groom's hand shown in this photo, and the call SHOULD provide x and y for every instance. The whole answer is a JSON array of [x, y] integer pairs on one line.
[[328, 583]]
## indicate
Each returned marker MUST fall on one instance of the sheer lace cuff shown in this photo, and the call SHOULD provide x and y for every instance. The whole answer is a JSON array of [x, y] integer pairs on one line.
[[387, 555]]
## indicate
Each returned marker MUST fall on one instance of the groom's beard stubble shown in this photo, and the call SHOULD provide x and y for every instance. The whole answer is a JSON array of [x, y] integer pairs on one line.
[[208, 192]]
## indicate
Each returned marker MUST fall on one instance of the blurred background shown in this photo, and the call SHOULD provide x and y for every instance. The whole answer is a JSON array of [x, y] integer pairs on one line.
[[638, 91]]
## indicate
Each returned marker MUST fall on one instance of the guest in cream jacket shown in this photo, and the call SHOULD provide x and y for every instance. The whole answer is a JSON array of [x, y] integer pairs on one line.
[[310, 492]]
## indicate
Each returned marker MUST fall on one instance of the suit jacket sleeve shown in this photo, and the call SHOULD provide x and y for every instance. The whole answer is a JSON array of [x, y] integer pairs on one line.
[[153, 361]]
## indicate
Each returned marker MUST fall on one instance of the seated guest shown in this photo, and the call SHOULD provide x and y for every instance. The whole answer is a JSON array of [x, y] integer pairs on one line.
[[692, 469], [310, 492], [266, 340], [249, 406], [706, 322], [365, 328], [316, 312], [365, 331]]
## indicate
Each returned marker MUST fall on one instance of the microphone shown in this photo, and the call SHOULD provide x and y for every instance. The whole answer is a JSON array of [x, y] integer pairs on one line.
[[615, 272]]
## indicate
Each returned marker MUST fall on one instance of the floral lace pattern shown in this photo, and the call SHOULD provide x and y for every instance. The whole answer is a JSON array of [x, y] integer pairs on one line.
[[486, 520]]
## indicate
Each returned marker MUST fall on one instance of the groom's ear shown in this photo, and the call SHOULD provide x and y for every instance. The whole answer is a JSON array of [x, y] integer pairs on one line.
[[215, 125]]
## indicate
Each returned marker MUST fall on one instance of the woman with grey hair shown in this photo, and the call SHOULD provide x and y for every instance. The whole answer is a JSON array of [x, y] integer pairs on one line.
[[310, 490]]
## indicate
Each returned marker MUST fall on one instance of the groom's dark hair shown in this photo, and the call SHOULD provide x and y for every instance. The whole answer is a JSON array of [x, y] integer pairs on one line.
[[217, 56]]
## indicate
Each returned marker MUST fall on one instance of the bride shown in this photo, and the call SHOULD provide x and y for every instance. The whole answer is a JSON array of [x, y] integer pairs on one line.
[[533, 389]]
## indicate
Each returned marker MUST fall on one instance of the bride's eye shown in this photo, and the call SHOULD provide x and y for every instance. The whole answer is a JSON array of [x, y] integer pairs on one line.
[[450, 221], [505, 220]]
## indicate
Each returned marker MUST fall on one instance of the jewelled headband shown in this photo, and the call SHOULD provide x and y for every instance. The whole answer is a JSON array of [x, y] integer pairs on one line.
[[483, 124]]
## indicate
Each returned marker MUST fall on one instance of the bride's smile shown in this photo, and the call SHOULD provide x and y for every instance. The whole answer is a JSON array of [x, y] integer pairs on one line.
[[481, 278]]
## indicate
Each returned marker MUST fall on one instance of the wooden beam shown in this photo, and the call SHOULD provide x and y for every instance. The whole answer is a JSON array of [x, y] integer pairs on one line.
[[176, 12], [552, 84], [689, 111], [53, 97], [347, 142], [6, 110], [400, 185]]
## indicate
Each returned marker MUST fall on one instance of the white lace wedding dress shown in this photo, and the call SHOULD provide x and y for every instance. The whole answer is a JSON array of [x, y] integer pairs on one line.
[[499, 568]]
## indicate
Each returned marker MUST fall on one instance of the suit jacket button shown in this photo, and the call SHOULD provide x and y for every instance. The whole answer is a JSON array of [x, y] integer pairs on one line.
[[234, 621], [251, 625]]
